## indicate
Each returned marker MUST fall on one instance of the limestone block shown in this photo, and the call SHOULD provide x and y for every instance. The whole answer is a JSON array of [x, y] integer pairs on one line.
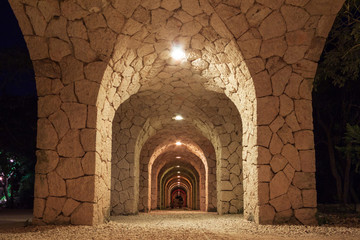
[[191, 7], [295, 53], [295, 197], [67, 94], [292, 122], [309, 198], [279, 185], [266, 214], [81, 189], [57, 29], [304, 180], [268, 109], [49, 8], [60, 122], [295, 17], [88, 139], [275, 145], [273, 47], [70, 146], [280, 79], [46, 135], [292, 155], [77, 29], [48, 105], [277, 124], [305, 89], [53, 209], [94, 21], [71, 70], [236, 170], [23, 20], [307, 160], [278, 162], [299, 3], [315, 49], [264, 136], [39, 206], [286, 105], [264, 193], [250, 48], [131, 27], [69, 206], [37, 20], [41, 186], [265, 173], [82, 50], [72, 11], [289, 172], [303, 110], [69, 168], [304, 140], [43, 86], [38, 48], [256, 14], [87, 91], [299, 38], [262, 84], [57, 187], [264, 155], [237, 25], [227, 196], [56, 86], [46, 161], [281, 203], [83, 214], [76, 114], [255, 65], [102, 41], [226, 186], [274, 64], [58, 49], [306, 216], [285, 133], [272, 26], [323, 7], [305, 68], [219, 26]]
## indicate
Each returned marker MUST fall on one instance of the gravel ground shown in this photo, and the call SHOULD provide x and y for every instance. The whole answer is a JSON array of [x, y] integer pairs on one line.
[[185, 225]]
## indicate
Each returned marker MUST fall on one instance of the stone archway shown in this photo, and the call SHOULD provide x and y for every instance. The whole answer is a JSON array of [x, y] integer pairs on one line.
[[262, 54]]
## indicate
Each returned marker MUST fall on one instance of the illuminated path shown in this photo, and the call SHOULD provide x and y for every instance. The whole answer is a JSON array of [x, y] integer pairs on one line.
[[180, 225]]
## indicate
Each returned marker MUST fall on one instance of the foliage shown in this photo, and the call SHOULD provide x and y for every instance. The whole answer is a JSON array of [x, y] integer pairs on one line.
[[16, 181], [336, 105]]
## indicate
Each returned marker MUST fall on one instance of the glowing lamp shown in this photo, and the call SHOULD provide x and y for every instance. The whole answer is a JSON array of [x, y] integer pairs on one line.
[[177, 52]]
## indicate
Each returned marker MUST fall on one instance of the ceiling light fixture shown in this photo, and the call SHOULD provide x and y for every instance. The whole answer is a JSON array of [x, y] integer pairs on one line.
[[177, 166], [178, 118], [177, 52], [178, 143], [178, 157], [178, 172]]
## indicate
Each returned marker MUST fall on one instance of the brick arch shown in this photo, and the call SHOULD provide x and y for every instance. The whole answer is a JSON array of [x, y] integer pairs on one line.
[[70, 59]]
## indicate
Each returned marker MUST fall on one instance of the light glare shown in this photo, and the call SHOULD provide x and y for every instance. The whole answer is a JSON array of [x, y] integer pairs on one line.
[[178, 143], [177, 52], [178, 118]]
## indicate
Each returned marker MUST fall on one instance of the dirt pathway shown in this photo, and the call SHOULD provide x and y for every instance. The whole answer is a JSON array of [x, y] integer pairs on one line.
[[181, 225]]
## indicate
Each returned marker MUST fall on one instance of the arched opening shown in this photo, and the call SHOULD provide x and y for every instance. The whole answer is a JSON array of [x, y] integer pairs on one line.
[[18, 111], [253, 56]]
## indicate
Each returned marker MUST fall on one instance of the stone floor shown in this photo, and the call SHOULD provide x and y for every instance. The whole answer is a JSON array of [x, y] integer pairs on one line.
[[178, 225]]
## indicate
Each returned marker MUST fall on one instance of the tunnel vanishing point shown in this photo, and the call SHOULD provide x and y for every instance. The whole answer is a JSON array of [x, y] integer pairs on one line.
[[124, 127]]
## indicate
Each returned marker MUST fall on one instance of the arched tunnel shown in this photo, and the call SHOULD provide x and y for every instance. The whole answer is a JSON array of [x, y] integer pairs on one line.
[[179, 151]]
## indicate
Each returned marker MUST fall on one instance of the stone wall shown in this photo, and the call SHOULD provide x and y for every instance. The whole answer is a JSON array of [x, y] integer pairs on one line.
[[91, 56]]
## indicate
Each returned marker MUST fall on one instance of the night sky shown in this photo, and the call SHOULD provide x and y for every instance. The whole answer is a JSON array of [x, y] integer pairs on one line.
[[16, 73]]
